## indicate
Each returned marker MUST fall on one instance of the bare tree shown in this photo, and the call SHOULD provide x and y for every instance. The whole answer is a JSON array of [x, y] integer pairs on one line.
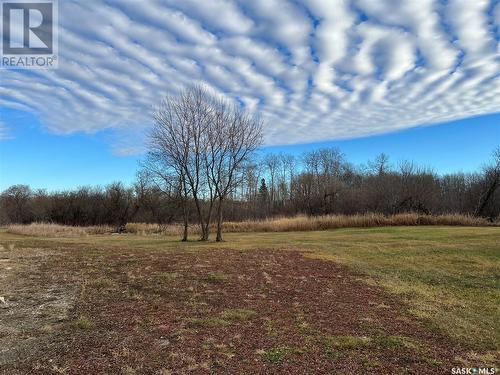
[[203, 141], [177, 147], [162, 195], [492, 182], [118, 204], [233, 135], [271, 163], [17, 203], [380, 165], [200, 169], [288, 164]]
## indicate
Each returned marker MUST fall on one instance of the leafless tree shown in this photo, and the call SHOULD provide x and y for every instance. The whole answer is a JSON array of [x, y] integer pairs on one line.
[[17, 203], [232, 136], [177, 148], [271, 162], [491, 182], [203, 141], [161, 195], [288, 164], [202, 149], [380, 165], [119, 204]]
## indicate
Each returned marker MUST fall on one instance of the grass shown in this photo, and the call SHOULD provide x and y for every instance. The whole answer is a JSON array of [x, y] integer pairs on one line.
[[360, 342], [84, 323], [207, 322], [335, 346], [227, 317], [347, 342], [271, 328], [278, 354], [393, 342], [280, 224], [211, 346], [324, 222], [217, 277], [448, 276], [238, 314], [101, 284], [56, 230]]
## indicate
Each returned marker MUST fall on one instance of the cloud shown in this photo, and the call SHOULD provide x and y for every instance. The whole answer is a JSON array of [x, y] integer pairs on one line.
[[312, 70], [4, 132]]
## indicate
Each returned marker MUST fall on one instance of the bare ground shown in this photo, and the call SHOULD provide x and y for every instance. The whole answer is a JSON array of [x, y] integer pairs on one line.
[[95, 311]]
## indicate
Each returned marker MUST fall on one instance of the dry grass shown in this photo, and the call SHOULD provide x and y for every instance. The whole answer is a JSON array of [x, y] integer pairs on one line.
[[309, 223], [148, 229], [56, 230], [283, 224], [447, 276]]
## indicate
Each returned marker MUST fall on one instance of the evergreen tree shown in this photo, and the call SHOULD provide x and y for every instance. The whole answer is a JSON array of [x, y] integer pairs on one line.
[[263, 192]]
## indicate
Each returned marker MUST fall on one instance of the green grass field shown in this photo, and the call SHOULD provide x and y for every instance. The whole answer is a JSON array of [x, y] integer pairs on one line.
[[447, 277]]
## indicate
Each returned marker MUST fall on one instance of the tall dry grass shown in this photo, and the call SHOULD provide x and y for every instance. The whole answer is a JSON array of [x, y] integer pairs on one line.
[[308, 223], [283, 224], [56, 230], [152, 229]]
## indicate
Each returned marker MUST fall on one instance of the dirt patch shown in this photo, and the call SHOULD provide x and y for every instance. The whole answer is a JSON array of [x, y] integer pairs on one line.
[[223, 311], [34, 305]]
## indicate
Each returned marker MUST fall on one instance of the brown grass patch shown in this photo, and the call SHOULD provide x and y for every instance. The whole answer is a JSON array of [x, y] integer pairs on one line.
[[241, 325], [56, 230], [281, 224], [310, 223]]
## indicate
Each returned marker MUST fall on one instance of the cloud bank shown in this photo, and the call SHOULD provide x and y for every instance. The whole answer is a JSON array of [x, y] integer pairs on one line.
[[314, 70]]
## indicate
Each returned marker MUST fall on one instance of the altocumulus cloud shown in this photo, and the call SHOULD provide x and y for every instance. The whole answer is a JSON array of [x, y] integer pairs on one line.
[[314, 70]]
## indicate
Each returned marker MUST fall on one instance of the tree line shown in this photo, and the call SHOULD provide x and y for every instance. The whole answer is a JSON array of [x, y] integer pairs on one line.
[[202, 168], [314, 183]]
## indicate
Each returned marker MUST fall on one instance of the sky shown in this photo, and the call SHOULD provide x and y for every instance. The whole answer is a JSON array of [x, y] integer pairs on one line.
[[418, 80]]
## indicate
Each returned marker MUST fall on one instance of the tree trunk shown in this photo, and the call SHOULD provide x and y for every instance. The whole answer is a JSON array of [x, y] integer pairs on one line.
[[186, 224], [206, 226], [204, 231], [185, 210], [219, 221]]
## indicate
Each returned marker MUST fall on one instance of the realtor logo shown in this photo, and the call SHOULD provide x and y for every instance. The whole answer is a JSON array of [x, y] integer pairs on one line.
[[29, 34]]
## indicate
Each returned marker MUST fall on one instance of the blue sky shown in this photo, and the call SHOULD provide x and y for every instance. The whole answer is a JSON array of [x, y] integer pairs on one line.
[[417, 80], [43, 160]]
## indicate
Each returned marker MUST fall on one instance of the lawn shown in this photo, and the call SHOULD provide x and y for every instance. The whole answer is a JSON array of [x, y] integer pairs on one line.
[[391, 300]]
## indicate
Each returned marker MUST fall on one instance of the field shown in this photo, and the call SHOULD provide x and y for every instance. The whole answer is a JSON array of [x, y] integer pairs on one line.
[[367, 300]]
